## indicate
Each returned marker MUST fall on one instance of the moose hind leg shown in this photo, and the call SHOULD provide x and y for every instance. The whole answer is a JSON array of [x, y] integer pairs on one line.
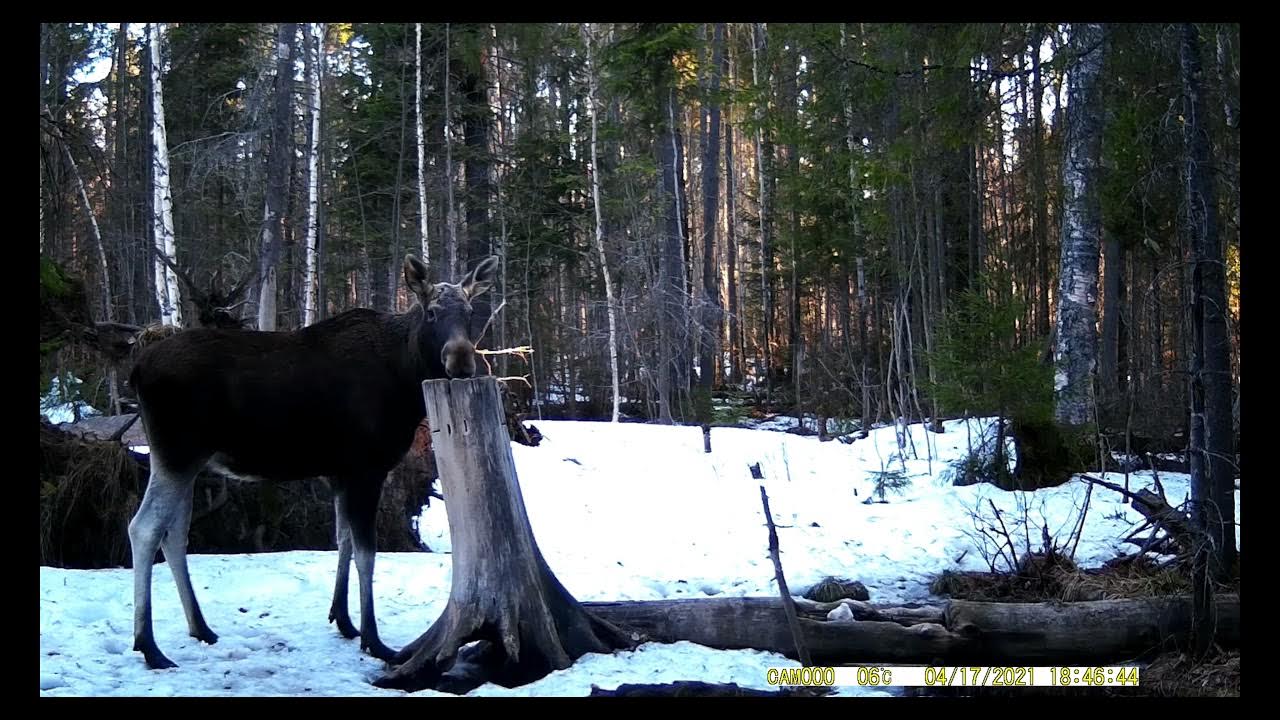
[[156, 516], [362, 513], [175, 553], [338, 610]]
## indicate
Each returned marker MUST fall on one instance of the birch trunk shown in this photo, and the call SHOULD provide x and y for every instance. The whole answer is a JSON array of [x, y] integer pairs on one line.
[[167, 293], [592, 87], [422, 169], [1076, 347], [310, 294]]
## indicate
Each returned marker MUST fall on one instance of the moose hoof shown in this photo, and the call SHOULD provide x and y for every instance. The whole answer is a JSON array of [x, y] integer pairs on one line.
[[206, 636], [157, 661], [378, 650], [151, 653], [345, 628]]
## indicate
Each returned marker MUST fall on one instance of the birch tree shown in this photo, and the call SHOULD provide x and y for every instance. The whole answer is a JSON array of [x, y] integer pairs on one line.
[[167, 293], [593, 84], [1075, 351], [313, 190], [422, 171]]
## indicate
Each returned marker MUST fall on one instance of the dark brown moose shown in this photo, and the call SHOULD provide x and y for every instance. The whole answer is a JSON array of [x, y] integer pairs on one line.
[[339, 399]]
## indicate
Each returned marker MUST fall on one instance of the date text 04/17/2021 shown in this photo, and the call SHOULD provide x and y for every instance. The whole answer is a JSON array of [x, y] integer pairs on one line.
[[956, 676]]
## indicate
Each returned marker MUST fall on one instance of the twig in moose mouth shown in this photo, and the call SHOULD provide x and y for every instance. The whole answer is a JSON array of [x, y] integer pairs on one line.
[[788, 603]]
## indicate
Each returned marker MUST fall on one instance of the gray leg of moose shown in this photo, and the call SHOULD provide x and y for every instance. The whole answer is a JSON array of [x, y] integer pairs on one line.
[[175, 553], [338, 610], [362, 511], [160, 507]]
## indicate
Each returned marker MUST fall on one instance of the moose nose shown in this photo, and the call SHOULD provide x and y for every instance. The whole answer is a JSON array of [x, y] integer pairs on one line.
[[459, 358]]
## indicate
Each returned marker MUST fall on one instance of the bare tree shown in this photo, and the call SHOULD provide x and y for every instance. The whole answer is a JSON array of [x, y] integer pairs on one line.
[[593, 84], [710, 196], [1212, 453]]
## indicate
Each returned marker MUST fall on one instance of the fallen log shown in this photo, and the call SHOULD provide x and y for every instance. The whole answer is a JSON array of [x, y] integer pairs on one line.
[[861, 610], [1049, 633], [987, 633], [761, 623]]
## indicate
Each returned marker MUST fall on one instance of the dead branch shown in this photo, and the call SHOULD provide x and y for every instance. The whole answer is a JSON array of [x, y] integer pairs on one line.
[[788, 604]]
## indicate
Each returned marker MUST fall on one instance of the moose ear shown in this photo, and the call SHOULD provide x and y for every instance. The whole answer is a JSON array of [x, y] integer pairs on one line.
[[482, 278], [415, 278]]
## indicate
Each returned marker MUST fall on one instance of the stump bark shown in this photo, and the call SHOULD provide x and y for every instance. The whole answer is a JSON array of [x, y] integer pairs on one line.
[[503, 594]]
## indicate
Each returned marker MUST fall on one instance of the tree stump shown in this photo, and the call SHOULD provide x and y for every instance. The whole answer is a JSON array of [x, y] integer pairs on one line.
[[503, 594]]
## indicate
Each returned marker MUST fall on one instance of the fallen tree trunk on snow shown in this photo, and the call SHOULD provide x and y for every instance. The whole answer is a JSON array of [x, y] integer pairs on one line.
[[1026, 633]]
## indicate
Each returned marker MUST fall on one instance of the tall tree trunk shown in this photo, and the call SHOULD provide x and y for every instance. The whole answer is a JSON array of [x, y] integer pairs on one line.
[[1108, 350], [167, 294], [278, 160], [710, 202], [672, 311], [1039, 189], [315, 68], [592, 86], [394, 258], [475, 126], [422, 169], [451, 223], [764, 176], [1075, 351], [500, 140], [121, 188], [795, 339], [1212, 456], [731, 243]]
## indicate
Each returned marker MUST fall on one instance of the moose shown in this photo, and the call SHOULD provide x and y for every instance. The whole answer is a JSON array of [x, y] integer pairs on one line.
[[339, 399]]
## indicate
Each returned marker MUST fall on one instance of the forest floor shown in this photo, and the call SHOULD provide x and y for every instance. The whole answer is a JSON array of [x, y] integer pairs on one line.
[[620, 512]]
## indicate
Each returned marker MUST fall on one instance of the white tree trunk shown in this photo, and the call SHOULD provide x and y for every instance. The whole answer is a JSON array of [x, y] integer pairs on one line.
[[422, 170], [1075, 353], [167, 294], [592, 86], [313, 191]]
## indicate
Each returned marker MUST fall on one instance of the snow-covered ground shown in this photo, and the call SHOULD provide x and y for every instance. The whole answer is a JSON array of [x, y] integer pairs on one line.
[[57, 411], [621, 512]]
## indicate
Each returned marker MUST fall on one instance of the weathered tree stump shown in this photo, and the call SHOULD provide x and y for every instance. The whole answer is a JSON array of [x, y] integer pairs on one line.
[[503, 594]]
